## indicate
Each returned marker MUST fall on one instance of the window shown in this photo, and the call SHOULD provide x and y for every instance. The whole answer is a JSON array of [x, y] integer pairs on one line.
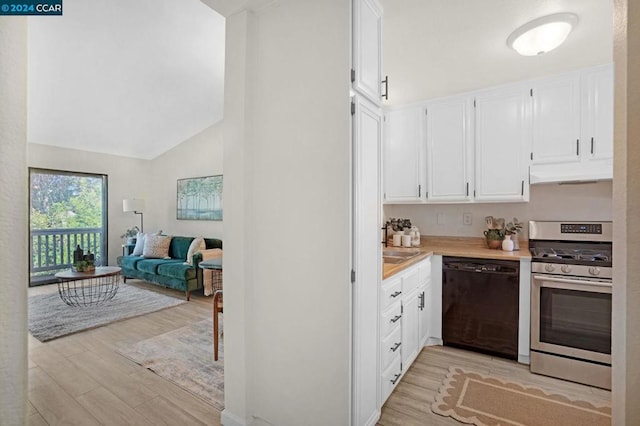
[[67, 210]]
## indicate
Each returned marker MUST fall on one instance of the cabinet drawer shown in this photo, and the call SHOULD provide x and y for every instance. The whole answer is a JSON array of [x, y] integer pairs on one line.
[[390, 377], [410, 281], [391, 292], [390, 319], [391, 346]]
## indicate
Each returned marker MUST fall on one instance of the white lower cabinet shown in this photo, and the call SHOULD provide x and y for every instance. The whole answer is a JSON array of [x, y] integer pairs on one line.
[[404, 322], [390, 377]]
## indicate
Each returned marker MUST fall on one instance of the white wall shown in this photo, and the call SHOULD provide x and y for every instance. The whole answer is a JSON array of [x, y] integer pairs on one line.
[[626, 227], [13, 220], [127, 178], [547, 202], [198, 156], [289, 162]]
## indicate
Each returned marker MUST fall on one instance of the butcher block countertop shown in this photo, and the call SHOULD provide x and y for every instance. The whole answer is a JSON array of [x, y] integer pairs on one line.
[[453, 246]]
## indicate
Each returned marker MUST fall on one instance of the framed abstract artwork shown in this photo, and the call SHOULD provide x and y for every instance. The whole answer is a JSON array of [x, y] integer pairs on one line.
[[199, 198]]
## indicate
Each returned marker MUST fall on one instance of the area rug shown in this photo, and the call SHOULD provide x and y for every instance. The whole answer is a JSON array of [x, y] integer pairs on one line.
[[185, 357], [473, 398], [50, 317]]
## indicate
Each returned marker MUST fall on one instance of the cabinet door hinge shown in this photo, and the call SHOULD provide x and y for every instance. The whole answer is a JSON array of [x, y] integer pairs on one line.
[[353, 75], [353, 276], [353, 108]]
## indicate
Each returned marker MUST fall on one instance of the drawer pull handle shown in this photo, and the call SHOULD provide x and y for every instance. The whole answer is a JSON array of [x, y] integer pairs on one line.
[[396, 318], [396, 346], [396, 294], [395, 379]]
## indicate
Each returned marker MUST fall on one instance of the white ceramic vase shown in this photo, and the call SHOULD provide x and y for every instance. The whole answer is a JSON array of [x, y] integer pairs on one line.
[[507, 243]]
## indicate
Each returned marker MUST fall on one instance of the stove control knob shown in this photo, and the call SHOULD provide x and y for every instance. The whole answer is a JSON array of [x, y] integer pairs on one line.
[[566, 269], [594, 270], [549, 267]]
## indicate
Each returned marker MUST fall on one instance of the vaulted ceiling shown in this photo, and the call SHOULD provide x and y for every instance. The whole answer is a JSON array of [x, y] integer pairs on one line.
[[133, 78]]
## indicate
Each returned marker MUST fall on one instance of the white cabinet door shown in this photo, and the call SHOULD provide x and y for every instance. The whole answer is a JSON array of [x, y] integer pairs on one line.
[[449, 149], [402, 154], [409, 329], [502, 144], [597, 115], [556, 120], [367, 48], [423, 315], [367, 256]]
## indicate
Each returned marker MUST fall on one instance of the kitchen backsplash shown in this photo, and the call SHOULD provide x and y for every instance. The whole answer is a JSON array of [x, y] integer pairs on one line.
[[548, 202]]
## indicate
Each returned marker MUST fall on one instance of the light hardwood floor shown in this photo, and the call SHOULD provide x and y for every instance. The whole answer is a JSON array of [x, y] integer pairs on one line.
[[410, 402], [81, 380]]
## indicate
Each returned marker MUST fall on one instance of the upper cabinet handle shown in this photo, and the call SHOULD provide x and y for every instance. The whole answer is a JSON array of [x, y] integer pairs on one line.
[[577, 146], [591, 145], [386, 87]]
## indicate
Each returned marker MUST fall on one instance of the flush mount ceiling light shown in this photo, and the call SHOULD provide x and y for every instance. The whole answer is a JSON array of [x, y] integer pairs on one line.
[[543, 34]]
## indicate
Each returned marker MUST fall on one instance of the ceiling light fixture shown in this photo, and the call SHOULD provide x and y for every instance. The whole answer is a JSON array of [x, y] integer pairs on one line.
[[543, 34]]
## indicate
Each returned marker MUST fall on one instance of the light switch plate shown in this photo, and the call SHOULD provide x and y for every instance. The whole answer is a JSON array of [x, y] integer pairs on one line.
[[466, 219]]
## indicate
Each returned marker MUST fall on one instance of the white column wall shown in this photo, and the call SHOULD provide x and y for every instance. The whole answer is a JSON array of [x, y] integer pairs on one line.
[[236, 255], [13, 220], [286, 162], [626, 215]]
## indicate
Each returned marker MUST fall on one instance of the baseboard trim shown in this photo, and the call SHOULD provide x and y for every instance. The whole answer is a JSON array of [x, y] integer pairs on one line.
[[524, 359], [373, 420], [230, 419], [434, 341]]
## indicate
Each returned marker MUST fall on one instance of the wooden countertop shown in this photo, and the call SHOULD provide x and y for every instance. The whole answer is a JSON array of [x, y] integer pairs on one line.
[[453, 246]]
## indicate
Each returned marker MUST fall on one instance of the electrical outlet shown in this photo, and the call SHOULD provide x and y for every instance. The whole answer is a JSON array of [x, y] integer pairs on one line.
[[466, 218], [440, 218]]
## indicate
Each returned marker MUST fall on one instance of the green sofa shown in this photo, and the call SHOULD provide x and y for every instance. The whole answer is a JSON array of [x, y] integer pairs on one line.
[[173, 273]]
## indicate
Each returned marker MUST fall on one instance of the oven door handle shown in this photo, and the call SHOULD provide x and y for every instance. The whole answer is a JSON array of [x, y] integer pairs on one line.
[[568, 281]]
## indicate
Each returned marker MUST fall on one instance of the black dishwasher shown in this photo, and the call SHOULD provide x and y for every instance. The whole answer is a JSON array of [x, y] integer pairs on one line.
[[480, 305]]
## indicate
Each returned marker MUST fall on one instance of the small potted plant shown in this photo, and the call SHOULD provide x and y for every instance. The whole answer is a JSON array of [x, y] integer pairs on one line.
[[514, 228], [495, 232], [131, 234]]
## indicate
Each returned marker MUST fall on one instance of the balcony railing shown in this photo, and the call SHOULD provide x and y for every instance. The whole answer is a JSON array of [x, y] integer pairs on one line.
[[52, 250]]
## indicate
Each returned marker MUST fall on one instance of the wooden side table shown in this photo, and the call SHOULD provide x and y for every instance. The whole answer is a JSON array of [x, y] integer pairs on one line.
[[215, 265]]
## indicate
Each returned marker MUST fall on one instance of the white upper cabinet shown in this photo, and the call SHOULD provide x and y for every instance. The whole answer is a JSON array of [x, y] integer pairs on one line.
[[449, 149], [403, 151], [502, 144], [556, 120], [573, 127], [597, 115], [367, 49]]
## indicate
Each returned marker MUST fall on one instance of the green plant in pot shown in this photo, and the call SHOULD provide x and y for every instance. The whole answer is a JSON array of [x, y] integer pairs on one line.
[[131, 234], [495, 232]]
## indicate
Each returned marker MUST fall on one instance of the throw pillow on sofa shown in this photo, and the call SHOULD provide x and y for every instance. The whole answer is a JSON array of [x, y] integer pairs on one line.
[[137, 250], [156, 247], [197, 245]]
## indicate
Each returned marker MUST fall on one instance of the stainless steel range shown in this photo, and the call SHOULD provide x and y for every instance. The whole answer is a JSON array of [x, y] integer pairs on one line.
[[571, 300]]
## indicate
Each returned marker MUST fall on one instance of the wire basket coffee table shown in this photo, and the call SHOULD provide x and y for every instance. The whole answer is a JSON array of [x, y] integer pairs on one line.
[[88, 288]]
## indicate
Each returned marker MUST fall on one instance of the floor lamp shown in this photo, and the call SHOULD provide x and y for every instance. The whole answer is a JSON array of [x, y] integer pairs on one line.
[[134, 205]]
